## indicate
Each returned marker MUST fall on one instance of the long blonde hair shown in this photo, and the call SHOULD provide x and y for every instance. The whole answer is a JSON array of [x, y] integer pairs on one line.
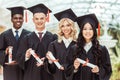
[[72, 34]]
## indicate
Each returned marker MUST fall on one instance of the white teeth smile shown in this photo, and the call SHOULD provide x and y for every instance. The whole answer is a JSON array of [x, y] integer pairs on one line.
[[18, 23]]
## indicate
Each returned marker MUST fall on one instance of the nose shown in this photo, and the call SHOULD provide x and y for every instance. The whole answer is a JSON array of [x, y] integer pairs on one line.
[[64, 27], [17, 19], [88, 30]]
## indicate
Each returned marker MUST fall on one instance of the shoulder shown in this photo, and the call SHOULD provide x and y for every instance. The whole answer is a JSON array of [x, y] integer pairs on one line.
[[103, 47], [104, 51], [73, 48], [6, 33], [26, 31], [27, 34], [54, 36], [48, 33], [54, 42], [74, 43]]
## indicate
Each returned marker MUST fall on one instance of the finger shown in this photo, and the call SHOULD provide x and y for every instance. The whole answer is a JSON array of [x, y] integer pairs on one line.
[[94, 70], [61, 68], [38, 64], [6, 63], [43, 58]]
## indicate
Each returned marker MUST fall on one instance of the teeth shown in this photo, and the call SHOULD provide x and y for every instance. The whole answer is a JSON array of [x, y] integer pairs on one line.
[[18, 23], [40, 24]]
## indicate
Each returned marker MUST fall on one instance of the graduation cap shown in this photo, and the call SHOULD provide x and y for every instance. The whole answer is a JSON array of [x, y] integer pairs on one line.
[[91, 18], [16, 10], [66, 14], [39, 8]]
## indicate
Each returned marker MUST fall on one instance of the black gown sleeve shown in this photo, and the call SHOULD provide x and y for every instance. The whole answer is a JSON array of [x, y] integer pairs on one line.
[[105, 68], [51, 68], [69, 71], [2, 50]]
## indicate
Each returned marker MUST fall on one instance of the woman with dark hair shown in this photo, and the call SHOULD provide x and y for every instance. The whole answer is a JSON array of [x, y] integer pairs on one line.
[[88, 47]]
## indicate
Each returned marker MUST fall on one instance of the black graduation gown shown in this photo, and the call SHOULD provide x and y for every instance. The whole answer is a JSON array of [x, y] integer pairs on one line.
[[84, 72], [60, 52], [31, 71], [10, 72]]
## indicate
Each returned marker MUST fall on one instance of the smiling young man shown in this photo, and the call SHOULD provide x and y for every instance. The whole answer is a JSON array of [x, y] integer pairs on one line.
[[38, 41], [11, 38]]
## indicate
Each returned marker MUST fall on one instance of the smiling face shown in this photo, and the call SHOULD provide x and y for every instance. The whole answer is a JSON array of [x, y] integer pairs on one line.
[[17, 21], [66, 28], [87, 32], [39, 20]]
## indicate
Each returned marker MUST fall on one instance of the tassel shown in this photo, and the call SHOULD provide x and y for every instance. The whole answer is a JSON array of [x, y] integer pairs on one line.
[[98, 29], [26, 20], [48, 16]]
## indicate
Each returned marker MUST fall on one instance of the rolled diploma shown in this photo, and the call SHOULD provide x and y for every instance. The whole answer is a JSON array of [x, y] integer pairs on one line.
[[36, 57], [10, 55], [53, 58], [88, 64]]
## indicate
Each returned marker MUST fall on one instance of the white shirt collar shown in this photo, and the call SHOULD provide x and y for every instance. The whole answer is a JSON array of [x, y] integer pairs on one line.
[[44, 31], [88, 46], [66, 41], [19, 31]]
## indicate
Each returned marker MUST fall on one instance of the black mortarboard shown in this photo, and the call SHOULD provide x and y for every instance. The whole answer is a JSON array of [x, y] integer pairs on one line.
[[91, 18], [16, 10], [39, 8], [66, 14]]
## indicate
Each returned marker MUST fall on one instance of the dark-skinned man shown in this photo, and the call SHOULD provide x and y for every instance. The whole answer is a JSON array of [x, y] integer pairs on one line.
[[11, 38]]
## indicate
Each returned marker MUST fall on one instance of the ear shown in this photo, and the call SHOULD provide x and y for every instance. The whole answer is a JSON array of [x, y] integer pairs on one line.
[[26, 16], [33, 19], [23, 20], [11, 19], [48, 16]]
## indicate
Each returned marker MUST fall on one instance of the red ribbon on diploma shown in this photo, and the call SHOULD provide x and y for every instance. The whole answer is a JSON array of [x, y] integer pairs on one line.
[[36, 56], [87, 61]]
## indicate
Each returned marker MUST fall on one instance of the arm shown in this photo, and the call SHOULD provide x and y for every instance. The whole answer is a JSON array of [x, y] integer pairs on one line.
[[2, 49], [50, 66], [105, 67]]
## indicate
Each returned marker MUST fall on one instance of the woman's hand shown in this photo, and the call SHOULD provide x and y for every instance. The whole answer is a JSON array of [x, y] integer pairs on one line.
[[62, 68], [49, 59], [95, 69], [76, 64], [38, 64]]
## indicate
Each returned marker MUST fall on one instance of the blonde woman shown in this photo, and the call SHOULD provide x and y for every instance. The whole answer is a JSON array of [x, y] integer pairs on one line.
[[60, 47]]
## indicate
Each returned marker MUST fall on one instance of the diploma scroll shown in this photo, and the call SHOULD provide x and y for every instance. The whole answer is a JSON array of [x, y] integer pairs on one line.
[[36, 57], [87, 64], [54, 60], [10, 54]]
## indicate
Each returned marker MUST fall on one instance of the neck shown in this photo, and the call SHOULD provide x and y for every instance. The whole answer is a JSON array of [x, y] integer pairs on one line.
[[40, 29], [16, 28], [66, 36], [87, 41]]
